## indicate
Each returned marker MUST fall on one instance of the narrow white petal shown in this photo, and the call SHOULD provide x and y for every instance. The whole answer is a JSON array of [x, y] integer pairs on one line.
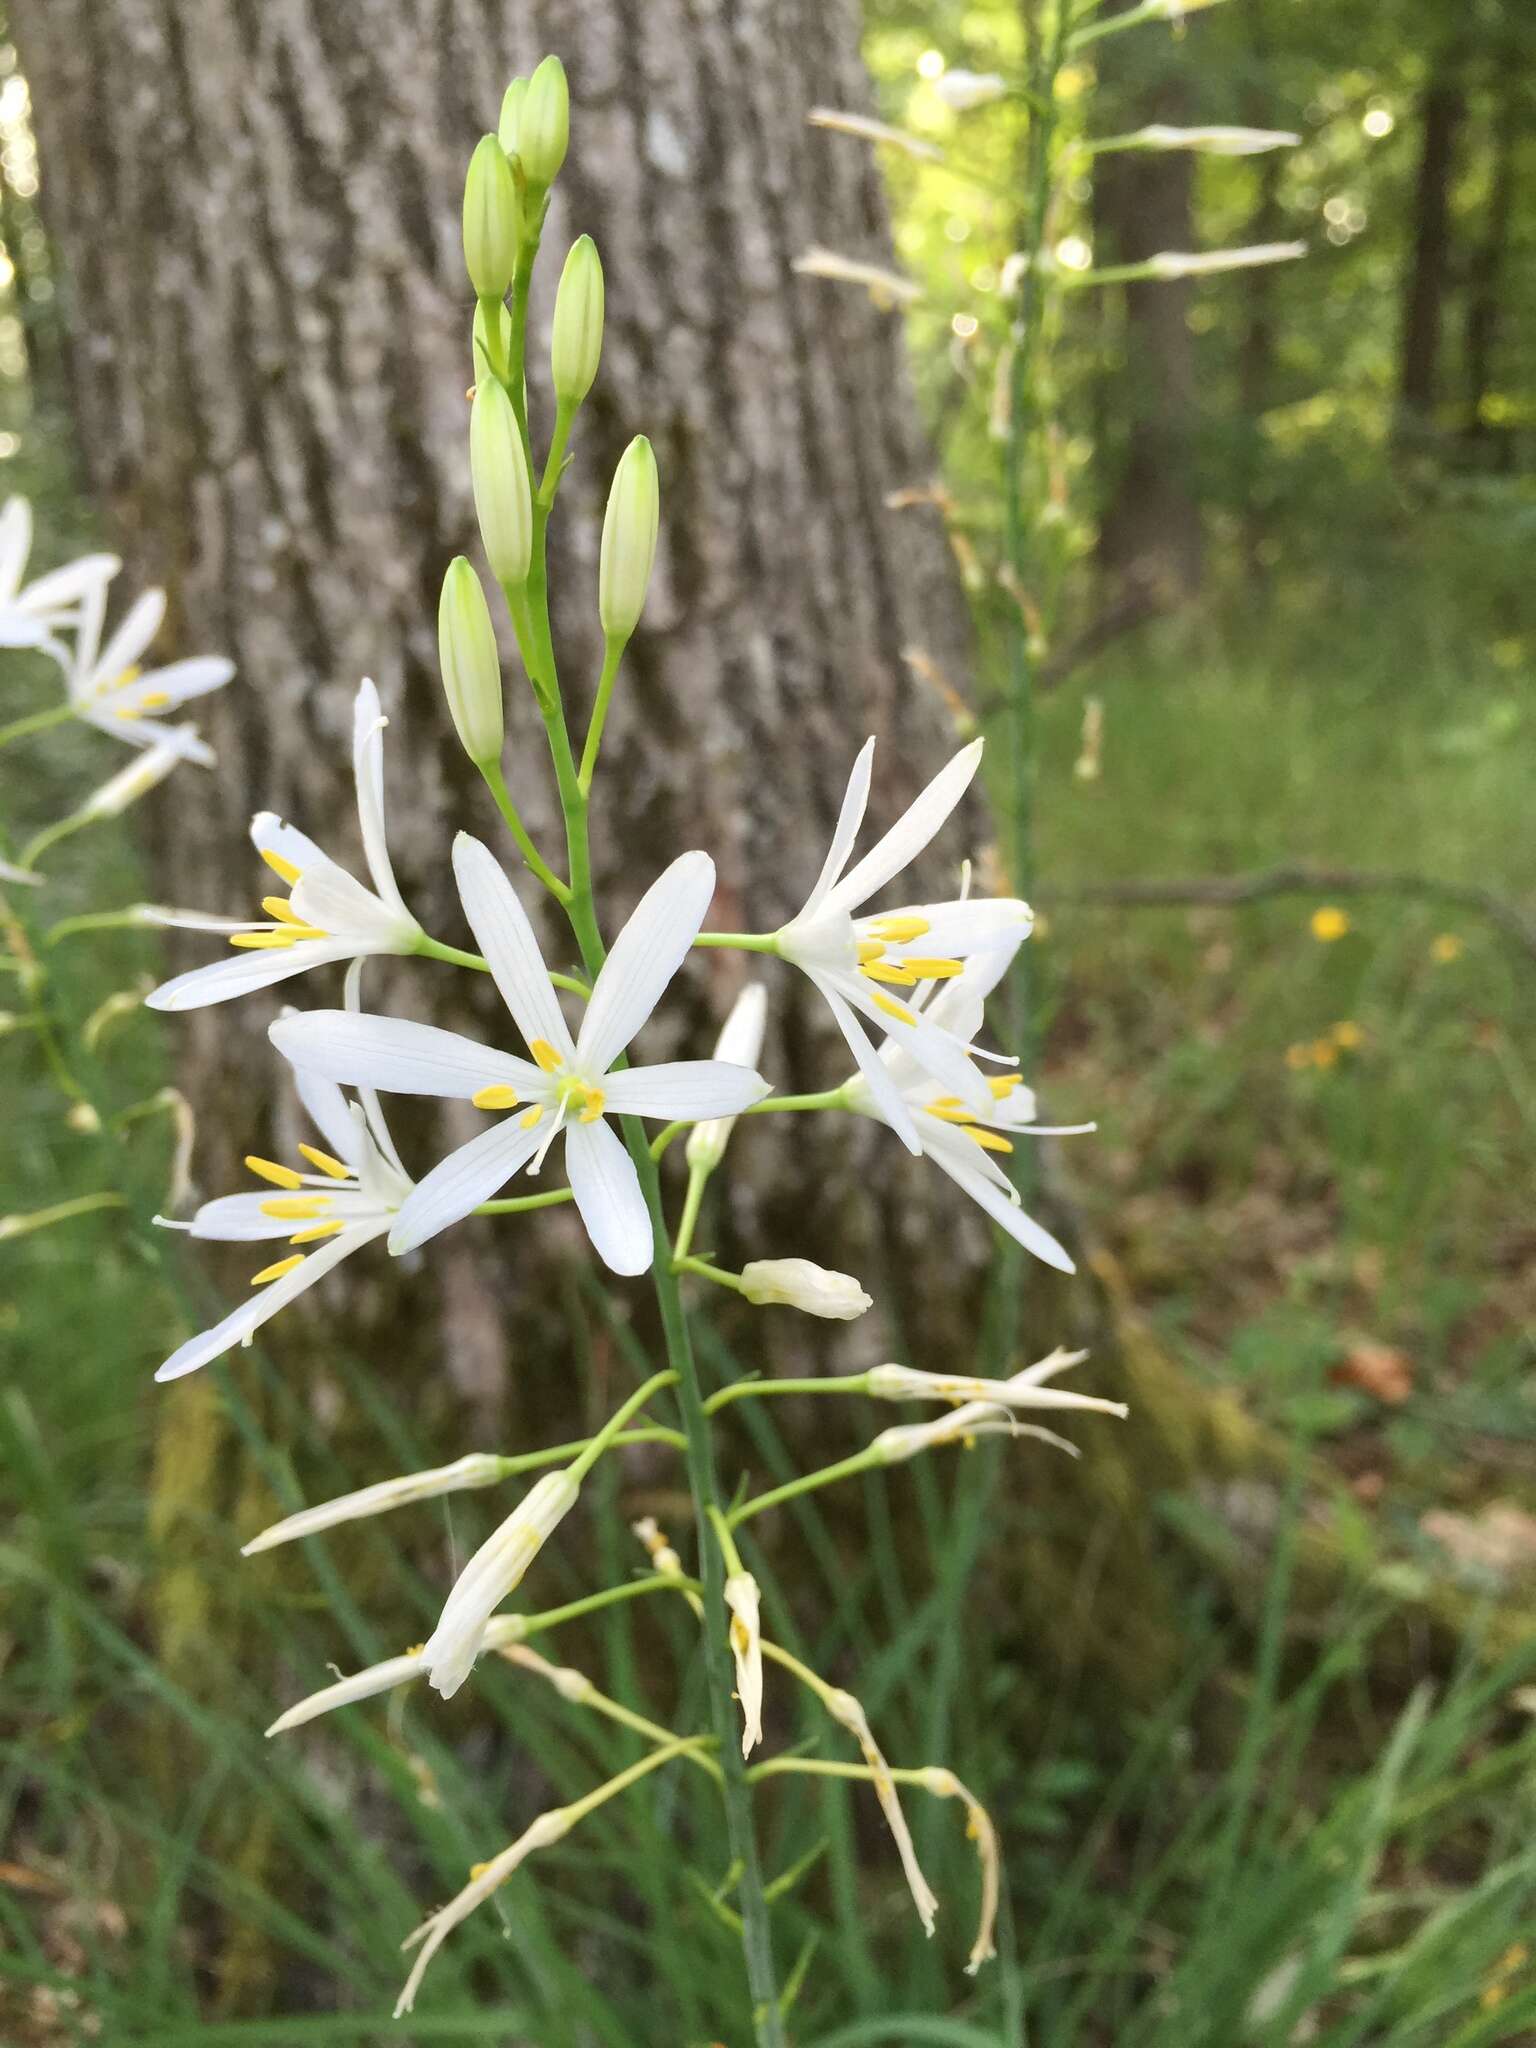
[[888, 1099], [506, 938], [265, 1302], [326, 896], [135, 630], [148, 732], [15, 545], [331, 1114], [684, 1088], [93, 612], [645, 956], [67, 585], [182, 680], [362, 1685], [269, 834], [368, 723], [244, 973], [607, 1191], [397, 1055], [461, 1182], [1016, 1221], [976, 924], [239, 1219], [169, 918], [849, 819], [933, 1050], [911, 832]]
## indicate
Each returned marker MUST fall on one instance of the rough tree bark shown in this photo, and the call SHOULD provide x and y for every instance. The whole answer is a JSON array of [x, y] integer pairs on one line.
[[1442, 111]]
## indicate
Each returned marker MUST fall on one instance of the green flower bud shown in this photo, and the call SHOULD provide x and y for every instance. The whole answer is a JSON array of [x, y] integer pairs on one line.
[[578, 336], [629, 540], [498, 470], [466, 653], [544, 123], [490, 220], [511, 114]]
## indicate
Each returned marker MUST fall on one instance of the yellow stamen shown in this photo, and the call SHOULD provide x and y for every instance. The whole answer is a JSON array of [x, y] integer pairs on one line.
[[477, 1870], [129, 676], [900, 931], [592, 1108], [887, 970], [277, 1271], [295, 1208], [951, 1110], [415, 1649], [498, 1096], [279, 866], [1004, 1084], [532, 1117], [318, 1230], [990, 1141], [156, 700], [545, 1056], [892, 1008], [933, 970], [268, 1169], [326, 1164], [263, 942], [280, 908], [869, 949]]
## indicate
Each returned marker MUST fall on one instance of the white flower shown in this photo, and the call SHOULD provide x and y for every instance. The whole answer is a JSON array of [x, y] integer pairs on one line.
[[484, 1879], [960, 1426], [1214, 141], [744, 1599], [1024, 1389], [566, 1090], [798, 1283], [963, 90], [111, 689], [1174, 263], [328, 916], [740, 1044], [348, 1201], [495, 1570], [860, 963], [849, 1714], [376, 1678], [943, 1784], [477, 1468], [34, 614], [954, 1135]]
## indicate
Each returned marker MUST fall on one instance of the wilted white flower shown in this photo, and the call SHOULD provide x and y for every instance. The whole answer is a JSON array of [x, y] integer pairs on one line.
[[35, 614], [744, 1599], [566, 1090], [1173, 263], [478, 1468], [848, 1713], [495, 1570], [798, 1283], [963, 90], [1213, 141], [740, 1044], [943, 1784], [1026, 1389], [328, 916], [887, 288], [110, 688], [960, 1426], [385, 1677], [547, 1829]]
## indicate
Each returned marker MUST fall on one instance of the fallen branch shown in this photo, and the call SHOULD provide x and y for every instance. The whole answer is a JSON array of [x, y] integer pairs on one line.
[[1230, 891]]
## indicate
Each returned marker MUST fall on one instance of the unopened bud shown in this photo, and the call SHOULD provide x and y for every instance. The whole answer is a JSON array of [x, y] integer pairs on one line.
[[629, 540], [511, 115], [578, 335], [466, 653], [490, 220], [498, 470], [130, 783], [799, 1283], [543, 123], [740, 1043]]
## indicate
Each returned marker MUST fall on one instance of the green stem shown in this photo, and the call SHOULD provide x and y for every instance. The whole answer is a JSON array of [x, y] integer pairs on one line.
[[35, 721], [730, 1556], [518, 1205], [613, 654], [491, 310], [594, 1603], [829, 1098], [698, 1180], [565, 417], [558, 1454], [747, 1390], [614, 1426], [496, 783], [580, 1808], [51, 836], [434, 949], [61, 1212], [703, 1270], [741, 942], [845, 1468]]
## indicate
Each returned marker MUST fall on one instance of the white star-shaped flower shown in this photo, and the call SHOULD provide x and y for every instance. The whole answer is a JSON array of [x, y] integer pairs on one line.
[[963, 1142], [328, 916], [567, 1089], [866, 964], [35, 614], [110, 688], [350, 1196]]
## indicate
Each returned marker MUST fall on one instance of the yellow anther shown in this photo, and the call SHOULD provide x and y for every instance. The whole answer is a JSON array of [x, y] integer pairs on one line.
[[318, 1230], [531, 1117], [888, 970], [869, 949], [295, 1208], [951, 1110], [268, 1169], [592, 1107], [126, 711], [500, 1095], [280, 908], [326, 1164], [545, 1056], [124, 680], [1004, 1084], [263, 942], [900, 931], [155, 700], [891, 1008], [477, 1870], [989, 1141], [415, 1649], [276, 1272], [279, 866], [933, 970]]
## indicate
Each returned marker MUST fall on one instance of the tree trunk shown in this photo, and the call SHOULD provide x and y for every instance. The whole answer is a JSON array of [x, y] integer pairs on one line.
[[1485, 311], [1442, 108]]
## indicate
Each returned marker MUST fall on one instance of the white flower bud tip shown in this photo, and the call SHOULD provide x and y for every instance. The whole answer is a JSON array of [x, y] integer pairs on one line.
[[130, 783], [495, 1570], [799, 1283], [741, 1044], [629, 540], [471, 667], [511, 115], [543, 123], [498, 470], [963, 90], [490, 220], [479, 1468], [577, 343]]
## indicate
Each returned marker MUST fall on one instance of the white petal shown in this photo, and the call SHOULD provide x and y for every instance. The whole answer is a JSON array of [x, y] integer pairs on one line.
[[1016, 1221], [684, 1088], [644, 958], [607, 1191], [270, 835], [326, 896], [379, 1136], [170, 919], [887, 1096], [934, 1051], [93, 611], [15, 545], [68, 585], [244, 973], [977, 924], [911, 832], [506, 938], [461, 1182], [265, 1302], [238, 1219], [148, 732], [849, 819], [135, 630], [331, 1114], [181, 680], [368, 723], [392, 1053]]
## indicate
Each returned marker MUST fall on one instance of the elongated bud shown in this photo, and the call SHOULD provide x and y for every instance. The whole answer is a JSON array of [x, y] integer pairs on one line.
[[744, 1601], [479, 1468], [740, 1042], [495, 1570], [498, 469], [511, 115], [126, 787], [578, 335], [544, 123], [466, 653], [800, 1283], [490, 220], [629, 540]]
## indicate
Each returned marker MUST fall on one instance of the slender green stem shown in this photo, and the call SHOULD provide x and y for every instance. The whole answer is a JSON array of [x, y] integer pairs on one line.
[[434, 949], [730, 1556], [611, 1709], [698, 1180], [747, 1390], [565, 418], [613, 1427], [829, 1098], [666, 1137], [818, 1767], [845, 1468], [94, 921], [61, 1212], [594, 1603], [518, 1205], [491, 310], [613, 654], [580, 1808], [741, 942], [703, 1270], [496, 783], [51, 835], [35, 721], [559, 1454]]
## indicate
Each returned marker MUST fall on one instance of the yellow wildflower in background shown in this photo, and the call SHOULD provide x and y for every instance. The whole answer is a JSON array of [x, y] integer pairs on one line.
[[1347, 1035], [1447, 946], [1329, 924]]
